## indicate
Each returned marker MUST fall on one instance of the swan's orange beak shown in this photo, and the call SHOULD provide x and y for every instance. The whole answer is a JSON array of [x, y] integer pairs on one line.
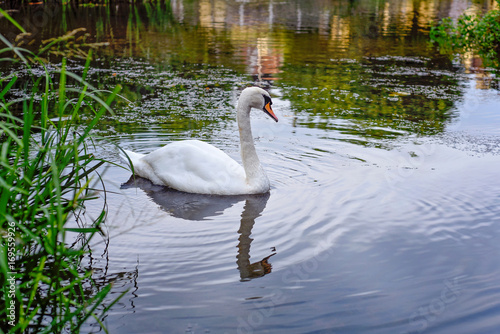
[[268, 110]]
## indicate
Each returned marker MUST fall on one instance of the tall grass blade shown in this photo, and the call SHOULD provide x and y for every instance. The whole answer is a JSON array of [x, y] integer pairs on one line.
[[46, 169]]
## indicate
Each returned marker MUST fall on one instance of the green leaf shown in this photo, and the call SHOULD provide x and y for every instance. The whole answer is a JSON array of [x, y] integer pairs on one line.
[[14, 22]]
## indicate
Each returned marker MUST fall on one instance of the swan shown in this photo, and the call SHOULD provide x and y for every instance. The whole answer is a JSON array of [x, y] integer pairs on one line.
[[194, 166]]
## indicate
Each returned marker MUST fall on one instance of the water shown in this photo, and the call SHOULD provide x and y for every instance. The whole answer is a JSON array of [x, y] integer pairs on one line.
[[383, 215]]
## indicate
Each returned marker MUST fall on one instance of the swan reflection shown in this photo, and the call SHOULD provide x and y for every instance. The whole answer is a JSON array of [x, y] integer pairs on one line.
[[201, 207]]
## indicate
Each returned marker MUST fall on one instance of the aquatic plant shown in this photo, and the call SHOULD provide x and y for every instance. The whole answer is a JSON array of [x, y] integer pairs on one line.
[[470, 33], [47, 174]]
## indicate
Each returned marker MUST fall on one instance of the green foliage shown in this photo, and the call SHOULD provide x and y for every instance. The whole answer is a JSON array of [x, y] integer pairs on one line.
[[471, 34], [46, 174]]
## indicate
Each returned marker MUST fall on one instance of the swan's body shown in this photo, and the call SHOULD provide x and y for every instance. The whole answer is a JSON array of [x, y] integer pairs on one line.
[[193, 166], [197, 167]]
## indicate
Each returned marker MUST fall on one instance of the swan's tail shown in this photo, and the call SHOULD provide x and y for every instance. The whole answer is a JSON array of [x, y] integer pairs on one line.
[[129, 156]]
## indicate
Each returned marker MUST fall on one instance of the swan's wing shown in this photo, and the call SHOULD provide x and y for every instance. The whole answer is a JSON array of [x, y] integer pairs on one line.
[[135, 158], [141, 167], [195, 166]]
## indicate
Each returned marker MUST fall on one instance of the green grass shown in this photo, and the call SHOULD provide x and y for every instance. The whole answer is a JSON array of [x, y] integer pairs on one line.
[[480, 35], [47, 175]]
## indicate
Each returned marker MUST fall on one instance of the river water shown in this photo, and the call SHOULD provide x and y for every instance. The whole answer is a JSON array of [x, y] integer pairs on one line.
[[384, 212]]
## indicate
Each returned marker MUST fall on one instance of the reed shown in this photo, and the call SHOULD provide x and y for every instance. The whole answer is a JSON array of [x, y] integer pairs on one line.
[[47, 175]]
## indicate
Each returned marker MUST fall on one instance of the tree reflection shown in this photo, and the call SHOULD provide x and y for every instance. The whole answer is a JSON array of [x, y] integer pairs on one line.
[[366, 62]]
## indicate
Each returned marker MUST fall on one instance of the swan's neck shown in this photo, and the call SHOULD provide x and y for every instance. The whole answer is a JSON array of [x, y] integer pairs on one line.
[[255, 175]]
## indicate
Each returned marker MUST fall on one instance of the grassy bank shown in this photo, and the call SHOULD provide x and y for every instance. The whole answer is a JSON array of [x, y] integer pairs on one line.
[[47, 175]]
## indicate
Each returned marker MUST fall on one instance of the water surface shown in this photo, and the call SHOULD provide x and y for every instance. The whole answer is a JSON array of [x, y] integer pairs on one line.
[[383, 215]]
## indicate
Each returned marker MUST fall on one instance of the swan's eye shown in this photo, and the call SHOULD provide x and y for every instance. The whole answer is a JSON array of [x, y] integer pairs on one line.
[[267, 100]]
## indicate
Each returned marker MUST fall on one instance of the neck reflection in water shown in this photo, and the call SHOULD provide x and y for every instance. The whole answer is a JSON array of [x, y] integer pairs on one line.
[[201, 207], [254, 206]]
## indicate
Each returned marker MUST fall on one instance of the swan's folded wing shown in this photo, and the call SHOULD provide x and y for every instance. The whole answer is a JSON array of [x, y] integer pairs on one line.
[[195, 166], [134, 157]]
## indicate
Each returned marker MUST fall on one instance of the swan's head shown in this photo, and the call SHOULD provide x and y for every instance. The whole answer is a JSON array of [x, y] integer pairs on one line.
[[258, 98]]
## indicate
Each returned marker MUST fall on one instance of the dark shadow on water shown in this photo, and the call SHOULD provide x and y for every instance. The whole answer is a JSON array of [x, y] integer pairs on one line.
[[201, 207], [181, 204]]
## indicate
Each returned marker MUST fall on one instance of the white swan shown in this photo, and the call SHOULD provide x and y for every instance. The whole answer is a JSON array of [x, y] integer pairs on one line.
[[197, 167]]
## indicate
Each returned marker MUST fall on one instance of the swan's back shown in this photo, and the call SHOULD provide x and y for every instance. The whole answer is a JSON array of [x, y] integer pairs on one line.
[[192, 166]]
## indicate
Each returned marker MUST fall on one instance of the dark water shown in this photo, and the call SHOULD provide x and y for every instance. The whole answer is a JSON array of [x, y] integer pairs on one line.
[[384, 211]]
